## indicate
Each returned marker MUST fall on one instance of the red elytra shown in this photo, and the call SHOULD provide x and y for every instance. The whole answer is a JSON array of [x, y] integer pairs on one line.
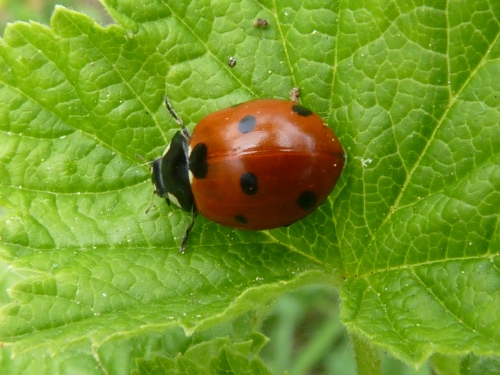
[[261, 164], [294, 157]]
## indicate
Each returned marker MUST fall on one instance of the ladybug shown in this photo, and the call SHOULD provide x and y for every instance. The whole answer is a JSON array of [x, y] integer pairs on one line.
[[261, 164]]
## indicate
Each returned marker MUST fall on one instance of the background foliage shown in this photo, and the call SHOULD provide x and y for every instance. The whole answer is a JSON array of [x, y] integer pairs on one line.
[[409, 237]]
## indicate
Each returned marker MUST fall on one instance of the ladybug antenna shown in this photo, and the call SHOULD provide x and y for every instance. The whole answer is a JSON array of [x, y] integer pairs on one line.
[[186, 233], [177, 119]]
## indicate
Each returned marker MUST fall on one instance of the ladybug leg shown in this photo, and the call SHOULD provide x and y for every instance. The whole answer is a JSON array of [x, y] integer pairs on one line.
[[152, 201], [177, 119], [186, 233]]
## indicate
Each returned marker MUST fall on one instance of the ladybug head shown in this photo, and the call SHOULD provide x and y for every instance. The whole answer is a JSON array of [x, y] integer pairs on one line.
[[170, 174]]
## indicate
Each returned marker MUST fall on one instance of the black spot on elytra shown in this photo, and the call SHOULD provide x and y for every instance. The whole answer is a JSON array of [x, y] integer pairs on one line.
[[307, 200], [241, 219], [198, 161], [248, 183], [247, 124], [301, 110]]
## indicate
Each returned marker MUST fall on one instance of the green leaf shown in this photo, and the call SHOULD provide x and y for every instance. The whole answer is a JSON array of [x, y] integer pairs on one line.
[[409, 236], [473, 365], [221, 355]]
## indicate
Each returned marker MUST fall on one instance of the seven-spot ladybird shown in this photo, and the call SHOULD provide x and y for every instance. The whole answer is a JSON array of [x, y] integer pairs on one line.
[[258, 165]]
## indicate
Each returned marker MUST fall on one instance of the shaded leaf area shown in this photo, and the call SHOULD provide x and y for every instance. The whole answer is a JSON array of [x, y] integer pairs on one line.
[[89, 279], [169, 352]]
